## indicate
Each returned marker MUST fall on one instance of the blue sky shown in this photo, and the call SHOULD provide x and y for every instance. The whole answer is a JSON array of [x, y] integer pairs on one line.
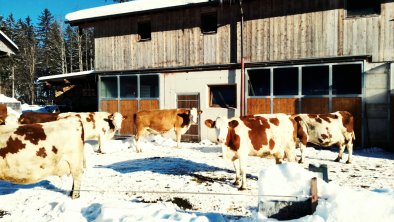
[[58, 8]]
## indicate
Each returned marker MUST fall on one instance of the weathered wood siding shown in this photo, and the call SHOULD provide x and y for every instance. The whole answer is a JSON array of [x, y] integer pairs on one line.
[[273, 30]]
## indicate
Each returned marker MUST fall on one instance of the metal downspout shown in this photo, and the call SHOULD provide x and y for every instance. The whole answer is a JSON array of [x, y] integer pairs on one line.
[[242, 63]]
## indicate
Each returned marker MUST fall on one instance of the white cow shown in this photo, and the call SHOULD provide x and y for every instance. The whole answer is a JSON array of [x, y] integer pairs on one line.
[[30, 153], [326, 130], [259, 135]]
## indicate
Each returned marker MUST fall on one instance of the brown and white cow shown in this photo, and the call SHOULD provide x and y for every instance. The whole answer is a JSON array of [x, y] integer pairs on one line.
[[3, 113], [162, 121], [326, 130], [30, 153], [100, 126], [259, 135]]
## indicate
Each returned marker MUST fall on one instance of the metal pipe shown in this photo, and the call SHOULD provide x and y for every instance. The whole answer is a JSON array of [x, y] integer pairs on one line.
[[242, 62]]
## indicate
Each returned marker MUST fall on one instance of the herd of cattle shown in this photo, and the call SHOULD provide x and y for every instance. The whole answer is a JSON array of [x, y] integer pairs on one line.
[[34, 146]]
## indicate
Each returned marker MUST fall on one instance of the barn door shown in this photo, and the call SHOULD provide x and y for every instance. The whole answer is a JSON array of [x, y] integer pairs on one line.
[[189, 101]]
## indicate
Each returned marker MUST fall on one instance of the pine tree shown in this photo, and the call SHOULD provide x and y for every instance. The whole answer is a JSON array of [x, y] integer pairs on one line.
[[26, 59], [46, 20], [7, 65], [71, 41]]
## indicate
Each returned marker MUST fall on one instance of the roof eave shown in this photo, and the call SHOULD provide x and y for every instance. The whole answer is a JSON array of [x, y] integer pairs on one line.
[[78, 22]]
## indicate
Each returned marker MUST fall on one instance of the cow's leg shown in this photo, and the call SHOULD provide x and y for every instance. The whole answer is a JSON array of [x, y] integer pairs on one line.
[[349, 147], [101, 144], [242, 171], [341, 149], [279, 157], [178, 133], [302, 148], [290, 155], [76, 173], [237, 181]]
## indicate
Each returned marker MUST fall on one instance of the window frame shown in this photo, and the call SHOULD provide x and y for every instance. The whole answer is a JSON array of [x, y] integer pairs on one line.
[[205, 23], [353, 12], [142, 27], [217, 105]]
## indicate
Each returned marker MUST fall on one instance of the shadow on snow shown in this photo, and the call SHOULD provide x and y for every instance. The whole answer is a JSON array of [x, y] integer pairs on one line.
[[9, 188], [167, 165]]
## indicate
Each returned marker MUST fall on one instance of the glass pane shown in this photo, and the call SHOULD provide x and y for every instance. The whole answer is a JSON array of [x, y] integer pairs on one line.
[[259, 82], [149, 86], [223, 96], [108, 87], [315, 80], [128, 86], [346, 79], [286, 81]]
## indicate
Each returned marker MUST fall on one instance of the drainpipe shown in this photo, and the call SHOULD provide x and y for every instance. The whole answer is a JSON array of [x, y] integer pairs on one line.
[[242, 62]]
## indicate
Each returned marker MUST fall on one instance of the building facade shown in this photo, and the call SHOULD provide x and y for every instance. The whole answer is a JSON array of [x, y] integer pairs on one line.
[[246, 57]]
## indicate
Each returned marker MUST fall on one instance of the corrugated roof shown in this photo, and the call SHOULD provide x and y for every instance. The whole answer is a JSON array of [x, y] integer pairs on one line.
[[128, 7]]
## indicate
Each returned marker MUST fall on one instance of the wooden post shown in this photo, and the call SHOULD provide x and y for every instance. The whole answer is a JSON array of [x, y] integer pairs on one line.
[[314, 197]]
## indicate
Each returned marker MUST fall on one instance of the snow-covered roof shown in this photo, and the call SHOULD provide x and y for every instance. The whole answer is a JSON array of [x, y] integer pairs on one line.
[[12, 47], [128, 7], [66, 75]]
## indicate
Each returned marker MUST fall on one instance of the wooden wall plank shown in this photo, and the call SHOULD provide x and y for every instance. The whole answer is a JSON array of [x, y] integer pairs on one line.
[[274, 30], [285, 105], [258, 106], [314, 105]]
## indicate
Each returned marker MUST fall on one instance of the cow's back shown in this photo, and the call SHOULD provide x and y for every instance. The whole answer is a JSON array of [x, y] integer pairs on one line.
[[34, 117], [158, 120], [29, 153]]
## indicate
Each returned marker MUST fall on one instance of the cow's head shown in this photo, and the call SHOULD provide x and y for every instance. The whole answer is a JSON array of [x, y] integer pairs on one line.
[[194, 115], [221, 127], [117, 119]]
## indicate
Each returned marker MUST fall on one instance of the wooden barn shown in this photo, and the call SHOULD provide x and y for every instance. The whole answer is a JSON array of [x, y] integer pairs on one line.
[[246, 57]]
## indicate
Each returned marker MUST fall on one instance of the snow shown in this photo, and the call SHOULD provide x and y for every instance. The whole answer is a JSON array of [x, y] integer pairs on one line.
[[127, 7], [194, 183], [66, 75], [6, 99], [9, 40]]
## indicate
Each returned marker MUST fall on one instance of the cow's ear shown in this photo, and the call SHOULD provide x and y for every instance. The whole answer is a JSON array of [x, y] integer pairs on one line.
[[233, 123], [124, 117], [199, 112], [111, 117], [210, 123]]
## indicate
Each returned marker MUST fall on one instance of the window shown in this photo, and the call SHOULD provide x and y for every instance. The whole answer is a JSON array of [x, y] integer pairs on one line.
[[209, 23], [286, 81], [346, 79], [144, 31], [362, 7], [149, 86], [128, 86], [224, 96], [259, 82], [315, 80], [108, 87]]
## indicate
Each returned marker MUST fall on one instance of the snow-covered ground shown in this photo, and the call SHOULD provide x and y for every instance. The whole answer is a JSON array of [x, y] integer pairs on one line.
[[194, 183]]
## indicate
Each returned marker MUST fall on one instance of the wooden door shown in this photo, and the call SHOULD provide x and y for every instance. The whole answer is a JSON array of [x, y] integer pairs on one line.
[[188, 101]]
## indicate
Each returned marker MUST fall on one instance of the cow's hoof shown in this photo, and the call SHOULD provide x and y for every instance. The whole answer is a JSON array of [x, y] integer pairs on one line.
[[75, 195], [348, 162], [337, 159], [241, 188], [300, 161]]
